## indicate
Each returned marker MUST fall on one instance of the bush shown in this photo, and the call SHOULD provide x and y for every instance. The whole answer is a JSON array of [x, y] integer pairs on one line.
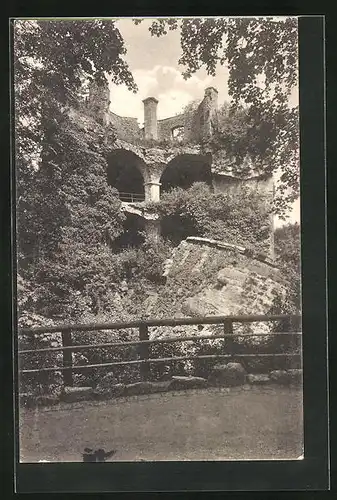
[[37, 384], [199, 212], [123, 374]]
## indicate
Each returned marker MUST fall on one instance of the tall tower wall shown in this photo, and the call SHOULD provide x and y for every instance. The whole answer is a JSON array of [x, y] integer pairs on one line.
[[150, 118]]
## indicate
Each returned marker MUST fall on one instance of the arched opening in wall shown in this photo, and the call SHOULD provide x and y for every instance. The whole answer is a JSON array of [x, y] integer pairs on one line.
[[182, 172], [124, 174], [185, 170], [133, 235]]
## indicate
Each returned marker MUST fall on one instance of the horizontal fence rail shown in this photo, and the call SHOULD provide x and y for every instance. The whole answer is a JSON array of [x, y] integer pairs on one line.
[[131, 197], [67, 368], [76, 348], [209, 320]]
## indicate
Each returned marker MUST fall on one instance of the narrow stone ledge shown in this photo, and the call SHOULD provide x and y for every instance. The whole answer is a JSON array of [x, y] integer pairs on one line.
[[179, 382], [216, 243], [258, 379], [74, 394]]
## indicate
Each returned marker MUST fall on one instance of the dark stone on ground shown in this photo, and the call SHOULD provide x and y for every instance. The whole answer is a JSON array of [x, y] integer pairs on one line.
[[179, 382], [33, 401], [75, 394], [112, 391], [258, 378], [227, 375], [27, 400], [145, 388], [280, 377], [47, 400]]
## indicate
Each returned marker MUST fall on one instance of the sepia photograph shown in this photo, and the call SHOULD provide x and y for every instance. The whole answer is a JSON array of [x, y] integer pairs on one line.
[[158, 239]]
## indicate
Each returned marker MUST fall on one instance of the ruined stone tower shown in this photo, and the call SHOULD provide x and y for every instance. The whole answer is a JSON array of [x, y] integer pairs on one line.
[[150, 118], [208, 113]]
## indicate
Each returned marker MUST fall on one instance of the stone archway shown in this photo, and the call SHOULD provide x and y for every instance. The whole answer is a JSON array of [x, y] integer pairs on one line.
[[186, 169], [127, 172]]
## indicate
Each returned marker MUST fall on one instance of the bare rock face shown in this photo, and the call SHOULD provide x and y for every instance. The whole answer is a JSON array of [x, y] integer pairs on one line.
[[227, 375], [258, 379], [220, 279], [228, 274], [75, 394], [180, 383]]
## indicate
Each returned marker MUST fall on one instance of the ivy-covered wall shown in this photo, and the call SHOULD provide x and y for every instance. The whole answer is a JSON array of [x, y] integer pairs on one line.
[[127, 129]]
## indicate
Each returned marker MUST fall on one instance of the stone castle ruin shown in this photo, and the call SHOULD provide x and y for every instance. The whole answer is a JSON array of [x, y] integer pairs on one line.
[[171, 152]]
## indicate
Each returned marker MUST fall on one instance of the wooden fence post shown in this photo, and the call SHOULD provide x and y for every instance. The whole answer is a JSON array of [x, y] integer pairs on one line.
[[144, 352], [229, 341], [67, 358], [295, 340]]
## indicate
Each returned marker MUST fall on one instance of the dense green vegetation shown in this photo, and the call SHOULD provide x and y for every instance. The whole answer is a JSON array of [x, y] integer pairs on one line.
[[288, 257], [199, 212]]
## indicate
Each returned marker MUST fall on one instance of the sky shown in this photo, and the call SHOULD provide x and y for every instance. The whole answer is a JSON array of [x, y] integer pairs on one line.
[[153, 62]]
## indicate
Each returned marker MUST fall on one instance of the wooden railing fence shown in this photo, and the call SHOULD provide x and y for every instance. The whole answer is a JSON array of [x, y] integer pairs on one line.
[[131, 197], [293, 323]]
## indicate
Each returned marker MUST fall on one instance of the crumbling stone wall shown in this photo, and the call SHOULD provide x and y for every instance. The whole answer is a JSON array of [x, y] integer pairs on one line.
[[127, 129], [165, 126], [207, 114], [198, 124]]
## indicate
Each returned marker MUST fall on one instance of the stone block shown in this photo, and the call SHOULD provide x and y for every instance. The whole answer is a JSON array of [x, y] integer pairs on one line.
[[258, 379], [195, 307], [113, 391], [145, 388], [227, 375], [180, 383], [75, 394]]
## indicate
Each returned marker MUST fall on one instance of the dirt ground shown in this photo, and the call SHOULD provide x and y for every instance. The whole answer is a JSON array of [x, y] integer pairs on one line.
[[244, 423]]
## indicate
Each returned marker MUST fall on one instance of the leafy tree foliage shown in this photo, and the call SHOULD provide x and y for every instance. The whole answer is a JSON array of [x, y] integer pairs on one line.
[[261, 55], [63, 216], [52, 59], [288, 257]]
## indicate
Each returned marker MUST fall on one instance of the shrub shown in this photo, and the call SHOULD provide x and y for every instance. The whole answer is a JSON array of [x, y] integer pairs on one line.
[[199, 212]]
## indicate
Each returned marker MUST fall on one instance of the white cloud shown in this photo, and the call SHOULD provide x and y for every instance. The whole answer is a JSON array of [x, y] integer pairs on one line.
[[173, 102]]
